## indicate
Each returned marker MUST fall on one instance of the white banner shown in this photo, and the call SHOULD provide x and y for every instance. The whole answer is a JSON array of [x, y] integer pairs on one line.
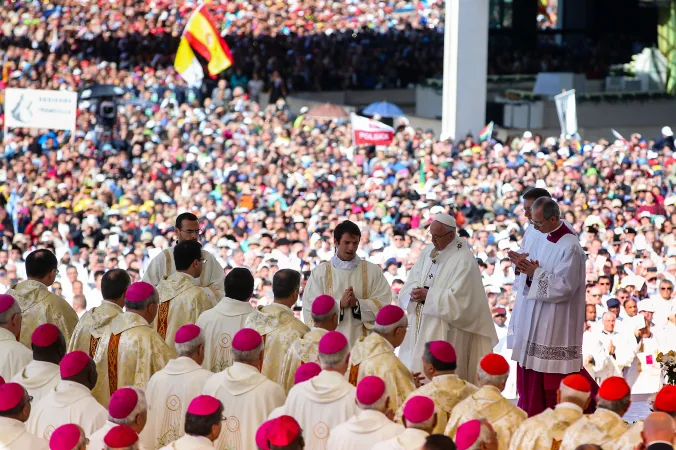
[[367, 131], [567, 111], [32, 108]]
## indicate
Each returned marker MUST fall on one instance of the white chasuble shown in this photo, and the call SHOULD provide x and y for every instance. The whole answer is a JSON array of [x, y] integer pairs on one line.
[[210, 281], [38, 378], [92, 326], [363, 430], [409, 439], [189, 442], [219, 324], [370, 287], [169, 392], [455, 310], [68, 402], [601, 428], [319, 404], [303, 350], [542, 341], [545, 431], [14, 436], [14, 356], [627, 440], [248, 397]]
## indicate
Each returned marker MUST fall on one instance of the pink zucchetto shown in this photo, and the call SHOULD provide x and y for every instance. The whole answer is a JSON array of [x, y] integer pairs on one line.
[[120, 436], [418, 409], [307, 371], [332, 342], [246, 340], [73, 363], [204, 405], [370, 389], [11, 395], [66, 437], [139, 292], [443, 351], [122, 403], [467, 434], [45, 335], [262, 435], [187, 333], [6, 302], [323, 305], [389, 315]]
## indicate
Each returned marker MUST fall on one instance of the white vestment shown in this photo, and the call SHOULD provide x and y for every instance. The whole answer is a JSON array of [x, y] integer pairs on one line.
[[363, 430], [542, 341], [169, 392], [13, 355], [595, 344], [372, 293], [410, 439], [248, 398], [188, 442], [219, 325], [663, 310], [211, 280], [38, 378], [455, 310], [14, 436], [68, 402], [319, 404]]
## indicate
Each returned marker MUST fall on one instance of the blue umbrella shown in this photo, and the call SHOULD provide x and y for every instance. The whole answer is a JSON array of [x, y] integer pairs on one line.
[[383, 109]]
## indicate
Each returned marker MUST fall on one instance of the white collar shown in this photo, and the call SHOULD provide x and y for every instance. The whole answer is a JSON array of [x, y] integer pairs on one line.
[[568, 405], [338, 263], [555, 230]]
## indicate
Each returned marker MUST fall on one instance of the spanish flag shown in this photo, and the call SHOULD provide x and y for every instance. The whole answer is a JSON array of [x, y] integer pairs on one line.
[[205, 39], [187, 65]]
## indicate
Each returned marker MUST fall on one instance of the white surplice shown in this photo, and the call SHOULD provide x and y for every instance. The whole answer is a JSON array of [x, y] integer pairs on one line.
[[169, 392], [596, 344], [14, 436], [38, 378], [189, 442], [542, 341], [410, 439], [13, 355], [68, 402], [344, 274], [363, 430], [211, 280], [219, 325], [319, 404], [455, 310], [248, 398]]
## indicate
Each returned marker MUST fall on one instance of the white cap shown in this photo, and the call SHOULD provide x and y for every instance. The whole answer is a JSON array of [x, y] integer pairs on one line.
[[646, 305], [666, 131], [446, 220], [527, 135]]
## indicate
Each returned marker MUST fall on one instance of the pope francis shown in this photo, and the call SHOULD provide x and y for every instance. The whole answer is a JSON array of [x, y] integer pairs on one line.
[[446, 300]]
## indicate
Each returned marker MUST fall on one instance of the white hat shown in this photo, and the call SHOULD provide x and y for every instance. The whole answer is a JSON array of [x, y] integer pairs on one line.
[[670, 201], [646, 305], [527, 135], [666, 131], [436, 210], [446, 220]]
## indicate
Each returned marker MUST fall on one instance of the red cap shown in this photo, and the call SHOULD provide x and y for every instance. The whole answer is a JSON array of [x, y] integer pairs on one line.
[[6, 302], [418, 409], [323, 305], [467, 434], [45, 335], [121, 436], [262, 435], [66, 437], [443, 351], [122, 403], [665, 400], [283, 431], [246, 339], [187, 333], [11, 395], [494, 364], [614, 388], [139, 291], [204, 405], [577, 382], [307, 371], [73, 363], [370, 389], [332, 342], [389, 314]]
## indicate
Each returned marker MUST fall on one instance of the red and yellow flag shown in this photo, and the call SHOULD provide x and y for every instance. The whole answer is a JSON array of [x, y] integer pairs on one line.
[[204, 38]]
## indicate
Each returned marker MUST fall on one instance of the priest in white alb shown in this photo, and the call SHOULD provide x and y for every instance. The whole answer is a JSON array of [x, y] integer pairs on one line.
[[304, 350], [370, 425], [42, 374], [446, 300], [552, 280], [250, 395], [13, 355], [71, 401], [220, 323], [163, 265], [15, 408], [359, 287], [328, 399], [170, 390], [128, 406]]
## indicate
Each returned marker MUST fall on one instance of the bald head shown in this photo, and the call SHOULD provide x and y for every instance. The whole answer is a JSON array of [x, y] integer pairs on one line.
[[658, 426]]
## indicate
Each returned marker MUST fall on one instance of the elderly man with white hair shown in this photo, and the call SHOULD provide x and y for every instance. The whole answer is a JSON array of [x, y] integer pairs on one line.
[[13, 355], [446, 300], [476, 434], [128, 407], [249, 395], [488, 402], [171, 389]]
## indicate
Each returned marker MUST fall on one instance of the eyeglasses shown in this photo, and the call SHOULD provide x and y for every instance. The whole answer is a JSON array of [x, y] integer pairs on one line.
[[666, 289], [203, 260], [439, 236], [195, 232]]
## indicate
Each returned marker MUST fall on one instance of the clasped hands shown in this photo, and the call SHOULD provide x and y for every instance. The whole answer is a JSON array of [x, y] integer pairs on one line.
[[522, 263], [419, 294], [348, 300]]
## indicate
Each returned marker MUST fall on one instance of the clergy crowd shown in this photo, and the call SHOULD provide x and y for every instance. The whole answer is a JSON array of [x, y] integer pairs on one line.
[[184, 361]]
